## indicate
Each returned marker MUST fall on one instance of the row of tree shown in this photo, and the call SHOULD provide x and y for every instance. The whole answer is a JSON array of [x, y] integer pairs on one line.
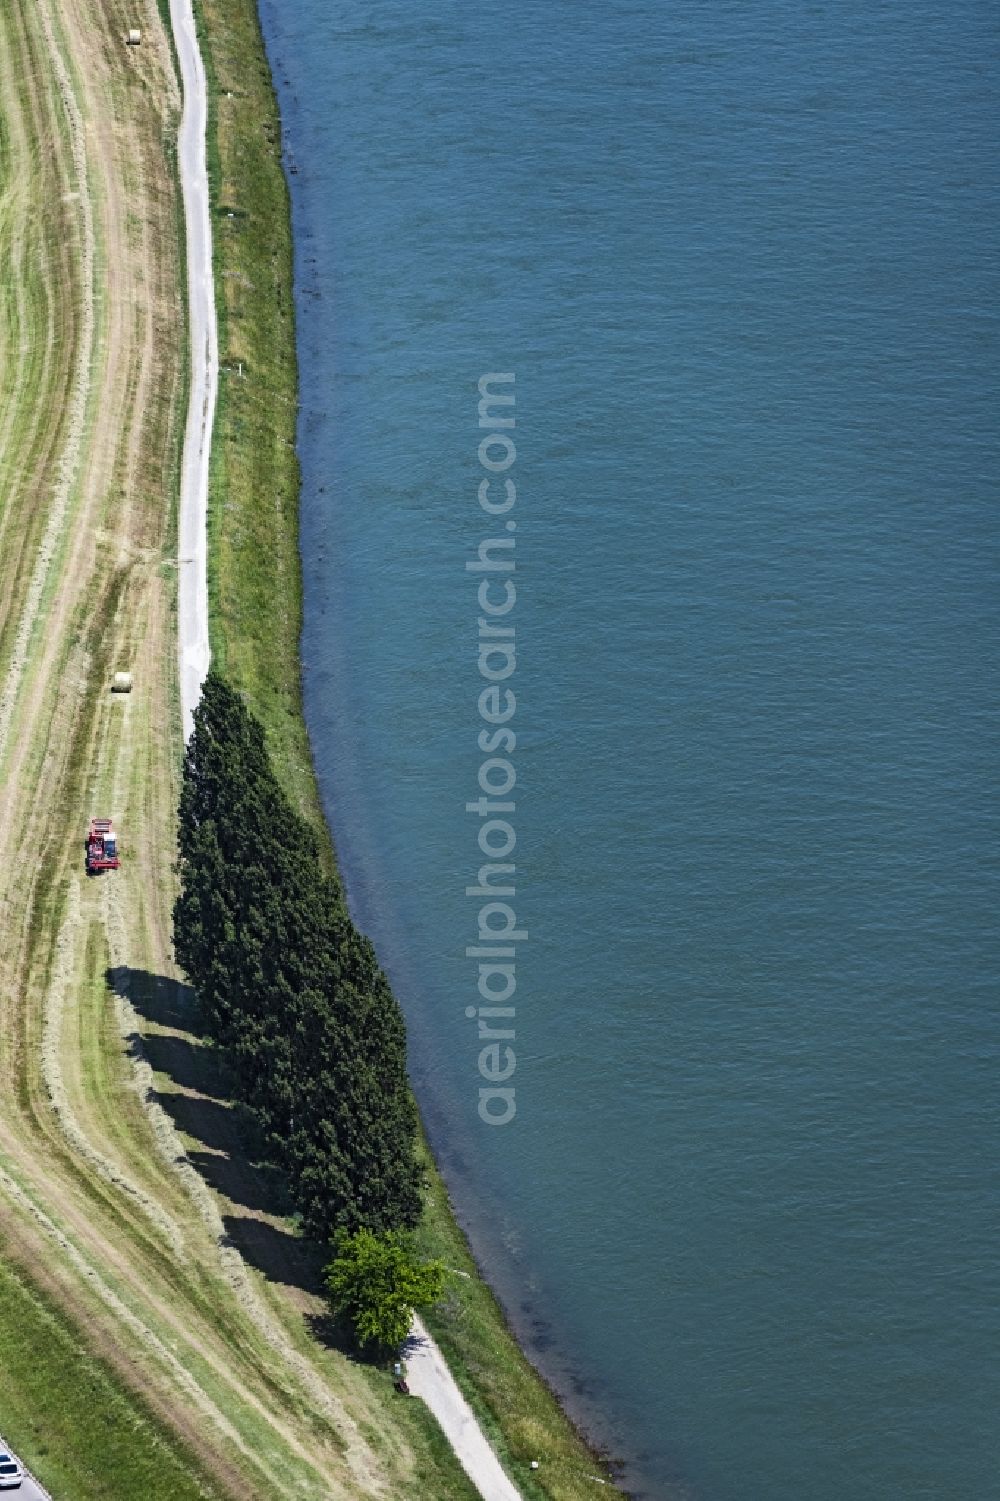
[[289, 988]]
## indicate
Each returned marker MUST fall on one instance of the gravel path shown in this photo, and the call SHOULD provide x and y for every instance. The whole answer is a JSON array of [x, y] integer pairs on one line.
[[192, 524], [428, 1377]]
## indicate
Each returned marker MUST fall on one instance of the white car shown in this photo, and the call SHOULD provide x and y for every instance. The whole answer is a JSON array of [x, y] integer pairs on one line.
[[11, 1473]]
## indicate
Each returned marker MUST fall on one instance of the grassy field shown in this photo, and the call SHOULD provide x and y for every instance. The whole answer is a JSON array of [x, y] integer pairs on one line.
[[68, 1409], [256, 618]]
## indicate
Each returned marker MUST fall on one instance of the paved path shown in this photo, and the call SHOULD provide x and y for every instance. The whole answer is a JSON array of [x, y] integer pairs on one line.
[[192, 542], [429, 1377], [30, 1490]]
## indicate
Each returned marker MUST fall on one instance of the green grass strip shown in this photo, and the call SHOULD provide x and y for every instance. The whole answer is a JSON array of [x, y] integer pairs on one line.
[[67, 1415]]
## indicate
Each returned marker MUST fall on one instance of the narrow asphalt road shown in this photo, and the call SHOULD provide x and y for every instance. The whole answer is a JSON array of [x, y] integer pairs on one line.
[[29, 1489]]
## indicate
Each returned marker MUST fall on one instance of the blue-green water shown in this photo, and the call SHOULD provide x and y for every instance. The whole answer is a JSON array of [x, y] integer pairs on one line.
[[744, 262]]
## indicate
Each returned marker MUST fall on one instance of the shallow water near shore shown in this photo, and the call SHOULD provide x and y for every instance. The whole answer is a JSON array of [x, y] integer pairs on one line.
[[743, 261]]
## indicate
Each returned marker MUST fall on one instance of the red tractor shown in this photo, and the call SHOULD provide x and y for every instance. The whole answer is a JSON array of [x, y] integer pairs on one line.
[[102, 847]]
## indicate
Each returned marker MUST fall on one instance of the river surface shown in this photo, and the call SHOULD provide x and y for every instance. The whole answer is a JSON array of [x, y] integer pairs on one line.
[[743, 261]]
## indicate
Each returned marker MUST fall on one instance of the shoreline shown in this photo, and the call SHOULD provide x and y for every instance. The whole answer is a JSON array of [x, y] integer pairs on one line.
[[270, 675], [429, 1374]]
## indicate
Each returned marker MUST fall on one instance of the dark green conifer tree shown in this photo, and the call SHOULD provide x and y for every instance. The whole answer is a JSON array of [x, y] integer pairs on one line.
[[290, 989]]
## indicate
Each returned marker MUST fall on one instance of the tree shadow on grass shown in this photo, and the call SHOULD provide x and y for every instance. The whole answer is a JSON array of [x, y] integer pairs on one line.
[[336, 1334], [279, 1253], [184, 1062], [255, 1186], [283, 1256], [227, 1158], [169, 1003], [229, 1151]]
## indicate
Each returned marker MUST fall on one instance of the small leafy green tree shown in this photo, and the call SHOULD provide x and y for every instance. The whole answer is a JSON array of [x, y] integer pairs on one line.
[[375, 1282]]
